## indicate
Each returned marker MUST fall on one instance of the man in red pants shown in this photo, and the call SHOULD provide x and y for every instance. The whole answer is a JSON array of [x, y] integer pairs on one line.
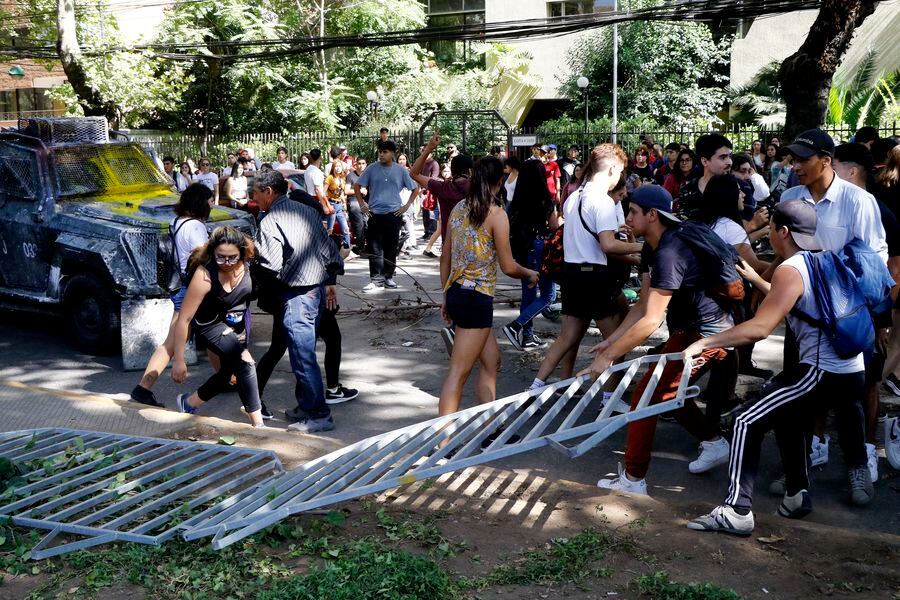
[[673, 287]]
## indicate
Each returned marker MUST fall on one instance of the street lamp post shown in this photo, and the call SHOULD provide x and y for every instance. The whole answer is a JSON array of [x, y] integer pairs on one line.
[[582, 82], [372, 97]]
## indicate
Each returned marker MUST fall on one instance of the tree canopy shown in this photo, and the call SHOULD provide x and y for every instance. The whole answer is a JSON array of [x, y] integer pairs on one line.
[[672, 72]]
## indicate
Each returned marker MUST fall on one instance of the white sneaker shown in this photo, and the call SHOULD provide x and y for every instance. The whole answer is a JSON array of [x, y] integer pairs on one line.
[[390, 283], [872, 462], [712, 454], [818, 454], [892, 441], [623, 484], [373, 286], [725, 519]]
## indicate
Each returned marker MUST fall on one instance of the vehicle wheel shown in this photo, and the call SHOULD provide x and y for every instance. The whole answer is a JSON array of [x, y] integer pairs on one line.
[[92, 315]]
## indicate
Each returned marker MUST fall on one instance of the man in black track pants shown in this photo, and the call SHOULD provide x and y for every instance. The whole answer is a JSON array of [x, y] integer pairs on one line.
[[788, 401]]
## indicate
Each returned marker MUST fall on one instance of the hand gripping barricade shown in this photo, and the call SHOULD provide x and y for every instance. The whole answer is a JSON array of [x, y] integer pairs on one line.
[[155, 488]]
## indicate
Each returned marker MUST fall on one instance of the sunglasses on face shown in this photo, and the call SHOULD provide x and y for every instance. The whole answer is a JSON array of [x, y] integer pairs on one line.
[[204, 164], [227, 260]]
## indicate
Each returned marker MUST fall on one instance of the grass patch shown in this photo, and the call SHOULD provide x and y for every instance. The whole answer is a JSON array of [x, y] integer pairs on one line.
[[560, 560], [659, 587]]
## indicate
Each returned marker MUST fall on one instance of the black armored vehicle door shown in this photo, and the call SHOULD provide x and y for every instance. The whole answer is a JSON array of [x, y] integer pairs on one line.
[[25, 247]]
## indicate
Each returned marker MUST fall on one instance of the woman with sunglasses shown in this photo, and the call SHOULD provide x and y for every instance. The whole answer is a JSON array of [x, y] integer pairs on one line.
[[209, 179], [214, 307]]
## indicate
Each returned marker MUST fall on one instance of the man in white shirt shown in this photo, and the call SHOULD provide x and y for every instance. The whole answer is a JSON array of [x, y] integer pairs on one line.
[[843, 211], [281, 162], [313, 178], [588, 290], [209, 179]]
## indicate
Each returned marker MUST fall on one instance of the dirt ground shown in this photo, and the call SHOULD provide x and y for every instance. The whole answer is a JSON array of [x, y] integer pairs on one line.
[[397, 361]]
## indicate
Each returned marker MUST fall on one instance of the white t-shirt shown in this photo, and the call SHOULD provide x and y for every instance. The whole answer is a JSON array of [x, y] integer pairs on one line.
[[510, 188], [286, 165], [599, 212], [815, 345], [760, 187], [730, 232], [191, 234], [313, 177], [210, 180]]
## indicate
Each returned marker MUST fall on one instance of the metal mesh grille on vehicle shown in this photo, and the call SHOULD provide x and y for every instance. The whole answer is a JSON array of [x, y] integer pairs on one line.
[[19, 175], [143, 249], [103, 168], [55, 132]]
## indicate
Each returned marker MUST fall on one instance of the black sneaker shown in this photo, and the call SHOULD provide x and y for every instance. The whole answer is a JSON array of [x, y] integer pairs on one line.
[[145, 396], [796, 506], [892, 384], [266, 413], [429, 254], [513, 332], [340, 395], [533, 342]]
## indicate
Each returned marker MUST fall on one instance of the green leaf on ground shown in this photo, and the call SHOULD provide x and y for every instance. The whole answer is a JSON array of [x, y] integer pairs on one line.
[[227, 440]]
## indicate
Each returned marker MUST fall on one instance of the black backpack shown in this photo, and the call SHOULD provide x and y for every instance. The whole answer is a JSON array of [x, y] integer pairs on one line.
[[717, 260], [175, 279]]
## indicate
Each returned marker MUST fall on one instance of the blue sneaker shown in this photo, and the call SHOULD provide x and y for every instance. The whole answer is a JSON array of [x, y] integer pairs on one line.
[[182, 403]]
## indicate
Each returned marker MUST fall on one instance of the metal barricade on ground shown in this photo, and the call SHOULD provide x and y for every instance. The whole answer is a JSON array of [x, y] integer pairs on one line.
[[151, 478]]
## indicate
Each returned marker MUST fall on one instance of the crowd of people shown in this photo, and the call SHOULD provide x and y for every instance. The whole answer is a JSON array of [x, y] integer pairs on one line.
[[721, 243]]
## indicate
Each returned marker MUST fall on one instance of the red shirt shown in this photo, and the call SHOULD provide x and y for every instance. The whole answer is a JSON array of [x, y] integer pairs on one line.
[[448, 194], [553, 175]]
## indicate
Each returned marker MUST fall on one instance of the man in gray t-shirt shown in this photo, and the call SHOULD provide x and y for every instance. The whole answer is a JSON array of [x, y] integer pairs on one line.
[[384, 180]]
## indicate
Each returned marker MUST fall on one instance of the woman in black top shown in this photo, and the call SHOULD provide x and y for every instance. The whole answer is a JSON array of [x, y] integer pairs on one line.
[[215, 307], [531, 218]]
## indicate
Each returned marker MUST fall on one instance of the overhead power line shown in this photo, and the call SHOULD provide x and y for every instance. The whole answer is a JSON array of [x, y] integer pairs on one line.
[[684, 10]]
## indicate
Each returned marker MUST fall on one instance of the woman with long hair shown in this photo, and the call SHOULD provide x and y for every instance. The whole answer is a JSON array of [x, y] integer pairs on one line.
[[531, 218], [768, 161], [887, 182], [236, 185], [477, 241], [214, 308], [681, 171], [184, 177], [757, 154], [335, 191], [511, 167], [720, 207], [188, 231]]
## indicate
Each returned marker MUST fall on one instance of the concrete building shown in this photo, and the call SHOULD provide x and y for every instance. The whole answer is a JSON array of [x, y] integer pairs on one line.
[[521, 98]]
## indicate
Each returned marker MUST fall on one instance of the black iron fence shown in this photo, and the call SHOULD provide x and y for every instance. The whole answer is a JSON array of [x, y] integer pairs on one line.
[[470, 140]]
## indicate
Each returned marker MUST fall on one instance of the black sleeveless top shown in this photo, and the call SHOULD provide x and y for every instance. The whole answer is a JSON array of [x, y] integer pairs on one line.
[[219, 306]]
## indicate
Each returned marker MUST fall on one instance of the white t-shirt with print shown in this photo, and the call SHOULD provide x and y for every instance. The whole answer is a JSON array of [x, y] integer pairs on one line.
[[599, 212], [210, 180]]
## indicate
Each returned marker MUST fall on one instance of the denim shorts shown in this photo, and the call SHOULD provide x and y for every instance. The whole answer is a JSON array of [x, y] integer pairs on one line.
[[470, 309], [178, 297]]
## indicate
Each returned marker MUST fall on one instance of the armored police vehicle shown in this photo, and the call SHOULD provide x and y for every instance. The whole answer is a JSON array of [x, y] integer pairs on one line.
[[84, 226]]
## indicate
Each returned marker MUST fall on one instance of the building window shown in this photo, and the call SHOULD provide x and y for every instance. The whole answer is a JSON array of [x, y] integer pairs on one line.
[[453, 13], [7, 102], [581, 7]]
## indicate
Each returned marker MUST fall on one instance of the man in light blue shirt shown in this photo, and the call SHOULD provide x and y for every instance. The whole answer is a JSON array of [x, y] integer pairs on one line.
[[384, 180], [843, 210]]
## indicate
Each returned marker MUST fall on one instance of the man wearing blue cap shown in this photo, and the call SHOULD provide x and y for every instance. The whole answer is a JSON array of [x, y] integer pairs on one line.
[[673, 287]]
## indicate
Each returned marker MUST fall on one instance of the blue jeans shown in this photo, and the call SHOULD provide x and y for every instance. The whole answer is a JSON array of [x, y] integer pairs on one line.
[[301, 316], [341, 217], [532, 304]]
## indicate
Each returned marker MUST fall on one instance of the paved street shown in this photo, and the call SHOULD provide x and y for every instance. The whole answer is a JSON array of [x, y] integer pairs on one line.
[[398, 364]]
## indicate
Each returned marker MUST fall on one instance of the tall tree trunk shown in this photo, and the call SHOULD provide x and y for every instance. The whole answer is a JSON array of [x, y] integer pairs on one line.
[[805, 76], [70, 56]]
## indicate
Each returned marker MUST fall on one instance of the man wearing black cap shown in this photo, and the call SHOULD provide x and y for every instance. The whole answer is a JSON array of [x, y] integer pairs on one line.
[[843, 211], [673, 287], [853, 163], [384, 180], [821, 378]]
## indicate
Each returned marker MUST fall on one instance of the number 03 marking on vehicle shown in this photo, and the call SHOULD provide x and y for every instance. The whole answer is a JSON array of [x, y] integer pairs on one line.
[[29, 249]]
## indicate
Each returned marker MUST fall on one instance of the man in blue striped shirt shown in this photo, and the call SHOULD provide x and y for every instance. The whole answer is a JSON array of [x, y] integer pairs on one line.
[[294, 247]]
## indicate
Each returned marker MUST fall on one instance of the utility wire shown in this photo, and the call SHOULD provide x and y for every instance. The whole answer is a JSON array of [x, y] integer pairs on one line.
[[684, 10]]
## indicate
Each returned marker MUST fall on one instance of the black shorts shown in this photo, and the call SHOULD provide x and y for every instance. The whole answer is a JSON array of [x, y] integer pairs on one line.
[[589, 291], [470, 309]]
